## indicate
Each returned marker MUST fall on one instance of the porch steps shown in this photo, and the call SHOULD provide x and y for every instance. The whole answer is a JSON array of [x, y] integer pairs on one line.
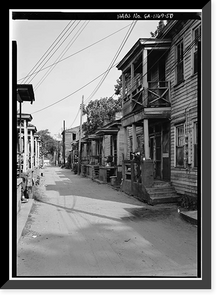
[[162, 192]]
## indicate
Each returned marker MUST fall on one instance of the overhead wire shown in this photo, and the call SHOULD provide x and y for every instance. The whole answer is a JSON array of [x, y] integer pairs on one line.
[[67, 57], [42, 57], [62, 99], [74, 38], [54, 44], [113, 60], [57, 47], [173, 65]]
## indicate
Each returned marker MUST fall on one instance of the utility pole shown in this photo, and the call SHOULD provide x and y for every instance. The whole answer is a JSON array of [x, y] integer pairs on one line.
[[64, 147], [80, 137]]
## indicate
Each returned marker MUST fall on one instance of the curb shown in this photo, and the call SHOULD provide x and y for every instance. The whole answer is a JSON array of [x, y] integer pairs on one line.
[[188, 218], [22, 217]]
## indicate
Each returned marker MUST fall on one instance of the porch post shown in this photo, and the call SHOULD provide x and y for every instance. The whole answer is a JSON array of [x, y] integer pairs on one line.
[[25, 146], [126, 134], [35, 151], [146, 138], [123, 86], [38, 152], [134, 137], [32, 148], [145, 76], [131, 80]]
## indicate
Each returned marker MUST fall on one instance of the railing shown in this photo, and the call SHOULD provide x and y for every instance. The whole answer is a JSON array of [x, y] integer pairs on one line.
[[136, 84], [158, 93]]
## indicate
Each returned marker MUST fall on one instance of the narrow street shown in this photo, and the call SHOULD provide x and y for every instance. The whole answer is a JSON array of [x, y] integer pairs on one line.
[[78, 227]]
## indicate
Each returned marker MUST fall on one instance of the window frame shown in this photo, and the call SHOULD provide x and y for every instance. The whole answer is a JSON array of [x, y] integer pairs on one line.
[[194, 52], [177, 126], [179, 62], [195, 142]]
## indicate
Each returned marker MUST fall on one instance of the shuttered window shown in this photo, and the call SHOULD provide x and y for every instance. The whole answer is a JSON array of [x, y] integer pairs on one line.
[[195, 143], [179, 58], [196, 38], [180, 145]]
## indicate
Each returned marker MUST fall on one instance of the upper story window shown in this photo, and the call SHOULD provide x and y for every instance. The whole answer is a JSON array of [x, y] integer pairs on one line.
[[196, 39], [179, 60]]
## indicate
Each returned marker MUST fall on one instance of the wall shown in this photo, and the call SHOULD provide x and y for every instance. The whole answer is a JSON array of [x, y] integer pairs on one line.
[[184, 109]]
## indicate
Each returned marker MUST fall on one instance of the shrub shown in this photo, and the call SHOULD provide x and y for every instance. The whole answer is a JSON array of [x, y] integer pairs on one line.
[[188, 202]]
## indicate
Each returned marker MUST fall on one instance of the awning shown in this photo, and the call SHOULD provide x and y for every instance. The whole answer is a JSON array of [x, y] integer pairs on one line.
[[25, 93], [107, 131]]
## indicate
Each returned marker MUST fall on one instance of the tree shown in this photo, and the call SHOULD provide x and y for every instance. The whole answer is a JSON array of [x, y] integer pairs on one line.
[[98, 111], [118, 87], [160, 26], [49, 144]]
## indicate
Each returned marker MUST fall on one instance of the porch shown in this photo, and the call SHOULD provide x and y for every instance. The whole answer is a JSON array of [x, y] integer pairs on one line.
[[138, 181]]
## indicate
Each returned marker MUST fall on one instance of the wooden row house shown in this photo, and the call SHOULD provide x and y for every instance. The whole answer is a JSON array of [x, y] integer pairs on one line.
[[160, 113], [28, 146], [101, 153]]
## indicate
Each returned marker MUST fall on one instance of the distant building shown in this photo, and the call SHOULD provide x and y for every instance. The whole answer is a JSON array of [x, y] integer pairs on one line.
[[71, 135]]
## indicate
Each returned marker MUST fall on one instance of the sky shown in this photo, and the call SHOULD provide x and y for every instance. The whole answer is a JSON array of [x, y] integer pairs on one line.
[[33, 40]]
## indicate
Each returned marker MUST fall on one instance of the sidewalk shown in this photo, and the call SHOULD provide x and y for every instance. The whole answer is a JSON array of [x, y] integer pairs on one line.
[[22, 217]]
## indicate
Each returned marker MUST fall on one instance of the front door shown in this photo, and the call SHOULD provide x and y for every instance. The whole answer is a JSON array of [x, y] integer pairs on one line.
[[159, 151], [155, 154]]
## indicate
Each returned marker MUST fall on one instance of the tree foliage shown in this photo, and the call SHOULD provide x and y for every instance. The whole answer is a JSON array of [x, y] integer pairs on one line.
[[118, 87], [98, 111], [48, 143], [160, 26]]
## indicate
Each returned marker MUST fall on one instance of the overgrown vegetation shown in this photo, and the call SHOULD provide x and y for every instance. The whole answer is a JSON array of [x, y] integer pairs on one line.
[[188, 202]]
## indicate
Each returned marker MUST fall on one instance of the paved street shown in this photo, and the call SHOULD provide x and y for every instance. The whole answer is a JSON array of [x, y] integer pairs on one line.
[[78, 227]]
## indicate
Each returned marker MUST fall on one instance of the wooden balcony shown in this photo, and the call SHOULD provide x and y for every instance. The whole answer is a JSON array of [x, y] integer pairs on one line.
[[156, 95]]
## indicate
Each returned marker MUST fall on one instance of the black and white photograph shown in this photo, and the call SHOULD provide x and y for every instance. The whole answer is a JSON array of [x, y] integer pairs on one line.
[[107, 112]]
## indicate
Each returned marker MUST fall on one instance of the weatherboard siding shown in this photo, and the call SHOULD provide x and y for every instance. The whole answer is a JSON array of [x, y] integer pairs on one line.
[[184, 109]]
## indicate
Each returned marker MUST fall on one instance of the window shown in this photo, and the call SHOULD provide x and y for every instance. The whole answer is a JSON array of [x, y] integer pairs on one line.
[[179, 59], [196, 39], [195, 144], [180, 145]]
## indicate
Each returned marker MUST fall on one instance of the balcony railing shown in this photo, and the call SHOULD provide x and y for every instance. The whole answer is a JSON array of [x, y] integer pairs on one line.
[[158, 94], [136, 84]]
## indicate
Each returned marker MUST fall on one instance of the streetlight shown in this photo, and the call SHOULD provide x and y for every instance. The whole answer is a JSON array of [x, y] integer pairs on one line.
[[24, 93]]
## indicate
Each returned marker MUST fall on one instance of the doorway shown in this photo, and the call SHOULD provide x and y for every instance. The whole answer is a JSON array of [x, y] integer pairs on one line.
[[155, 154], [159, 150]]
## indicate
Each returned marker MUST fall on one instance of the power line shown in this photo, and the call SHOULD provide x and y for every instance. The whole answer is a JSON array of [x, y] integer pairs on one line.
[[74, 38], [132, 25], [57, 48], [173, 65], [57, 40], [67, 57], [62, 99], [38, 62], [75, 118]]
